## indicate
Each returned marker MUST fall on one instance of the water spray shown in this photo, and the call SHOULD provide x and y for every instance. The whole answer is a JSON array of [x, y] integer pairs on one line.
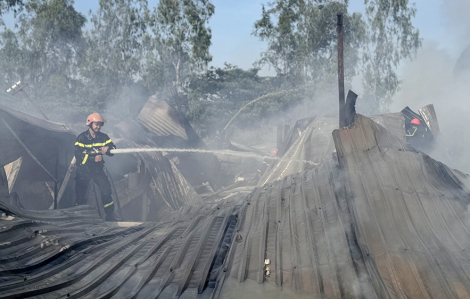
[[200, 151]]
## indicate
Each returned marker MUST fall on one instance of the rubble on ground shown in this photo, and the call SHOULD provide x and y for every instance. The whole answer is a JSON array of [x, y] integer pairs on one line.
[[375, 218]]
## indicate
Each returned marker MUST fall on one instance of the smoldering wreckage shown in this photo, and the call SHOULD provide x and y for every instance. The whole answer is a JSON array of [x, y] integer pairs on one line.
[[369, 216]]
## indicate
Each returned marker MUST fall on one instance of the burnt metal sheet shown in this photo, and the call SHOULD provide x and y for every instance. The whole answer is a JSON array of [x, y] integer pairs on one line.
[[409, 211], [393, 122], [162, 126], [164, 182], [380, 220], [38, 122], [33, 132], [158, 117], [167, 183], [297, 234], [71, 253], [430, 118], [309, 140]]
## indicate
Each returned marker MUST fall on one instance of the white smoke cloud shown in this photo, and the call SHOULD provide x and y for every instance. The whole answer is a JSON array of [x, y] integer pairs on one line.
[[456, 19], [430, 79]]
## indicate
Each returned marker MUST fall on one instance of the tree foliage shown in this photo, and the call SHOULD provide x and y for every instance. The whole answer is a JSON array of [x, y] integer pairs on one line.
[[114, 57], [180, 43], [391, 39], [45, 51], [302, 39], [302, 43], [128, 52]]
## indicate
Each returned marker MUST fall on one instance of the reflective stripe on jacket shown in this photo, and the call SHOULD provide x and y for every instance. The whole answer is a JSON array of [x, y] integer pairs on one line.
[[86, 142]]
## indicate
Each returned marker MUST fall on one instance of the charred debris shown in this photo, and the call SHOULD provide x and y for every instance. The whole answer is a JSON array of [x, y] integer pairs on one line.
[[37, 155], [372, 217]]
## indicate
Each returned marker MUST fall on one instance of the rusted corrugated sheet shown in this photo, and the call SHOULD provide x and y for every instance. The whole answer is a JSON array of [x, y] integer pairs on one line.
[[161, 126], [410, 214], [297, 234], [158, 117], [381, 221]]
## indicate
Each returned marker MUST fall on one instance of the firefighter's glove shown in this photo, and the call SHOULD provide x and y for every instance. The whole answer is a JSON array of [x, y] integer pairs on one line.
[[98, 158], [104, 149]]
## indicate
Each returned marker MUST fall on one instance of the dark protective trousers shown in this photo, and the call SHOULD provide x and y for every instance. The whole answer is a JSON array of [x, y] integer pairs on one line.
[[97, 174]]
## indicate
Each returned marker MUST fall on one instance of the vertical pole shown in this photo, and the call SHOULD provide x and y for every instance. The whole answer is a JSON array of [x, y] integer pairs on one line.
[[56, 175], [340, 70]]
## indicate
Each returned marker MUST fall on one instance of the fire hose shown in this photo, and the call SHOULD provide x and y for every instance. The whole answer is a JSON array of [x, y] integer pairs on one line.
[[93, 152]]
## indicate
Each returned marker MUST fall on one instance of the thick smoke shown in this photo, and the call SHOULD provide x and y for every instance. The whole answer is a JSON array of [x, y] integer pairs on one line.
[[430, 79], [440, 76]]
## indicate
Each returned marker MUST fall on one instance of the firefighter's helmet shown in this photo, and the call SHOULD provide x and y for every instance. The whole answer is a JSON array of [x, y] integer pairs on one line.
[[94, 117], [416, 122]]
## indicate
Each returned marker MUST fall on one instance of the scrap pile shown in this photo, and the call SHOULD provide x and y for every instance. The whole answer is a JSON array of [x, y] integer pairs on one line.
[[376, 218]]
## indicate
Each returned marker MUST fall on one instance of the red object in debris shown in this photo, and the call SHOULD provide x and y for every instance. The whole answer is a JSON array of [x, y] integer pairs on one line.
[[416, 122], [274, 152]]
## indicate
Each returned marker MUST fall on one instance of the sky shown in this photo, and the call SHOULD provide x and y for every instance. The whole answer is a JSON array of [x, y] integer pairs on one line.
[[232, 26]]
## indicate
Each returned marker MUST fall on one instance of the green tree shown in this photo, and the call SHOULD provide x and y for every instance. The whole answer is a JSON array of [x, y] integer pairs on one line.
[[218, 94], [302, 40], [179, 46], [114, 57], [45, 51], [391, 39]]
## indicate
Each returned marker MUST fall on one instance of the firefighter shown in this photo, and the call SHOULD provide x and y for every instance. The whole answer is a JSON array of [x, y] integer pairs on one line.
[[90, 147], [413, 129]]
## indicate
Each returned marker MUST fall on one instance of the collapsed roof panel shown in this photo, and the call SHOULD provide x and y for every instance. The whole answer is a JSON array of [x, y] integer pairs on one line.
[[310, 140], [430, 118], [381, 221], [158, 117], [71, 253], [38, 122], [161, 126], [32, 132], [393, 122], [410, 215]]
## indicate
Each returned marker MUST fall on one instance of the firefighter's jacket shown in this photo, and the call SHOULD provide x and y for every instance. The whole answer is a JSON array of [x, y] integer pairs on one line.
[[85, 142]]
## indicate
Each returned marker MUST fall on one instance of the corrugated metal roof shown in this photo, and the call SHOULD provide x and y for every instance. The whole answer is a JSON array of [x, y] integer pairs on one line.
[[170, 129], [73, 254], [382, 221], [310, 141], [393, 122], [409, 212], [429, 115], [158, 117], [45, 124]]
